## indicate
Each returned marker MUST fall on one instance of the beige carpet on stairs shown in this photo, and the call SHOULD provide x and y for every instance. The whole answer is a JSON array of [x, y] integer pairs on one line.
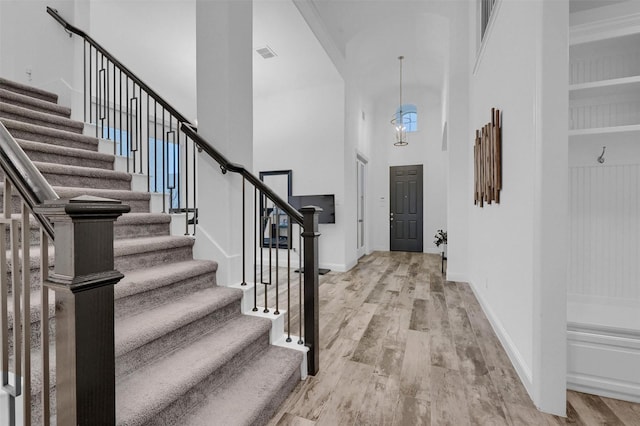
[[185, 354]]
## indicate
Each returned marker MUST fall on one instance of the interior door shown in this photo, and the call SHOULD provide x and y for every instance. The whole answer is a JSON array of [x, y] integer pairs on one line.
[[405, 208], [360, 171]]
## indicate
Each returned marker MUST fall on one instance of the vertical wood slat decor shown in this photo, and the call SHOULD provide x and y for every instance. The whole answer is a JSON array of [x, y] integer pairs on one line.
[[487, 153], [605, 232]]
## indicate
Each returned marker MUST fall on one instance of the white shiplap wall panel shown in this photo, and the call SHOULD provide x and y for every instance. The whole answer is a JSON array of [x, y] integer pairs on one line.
[[605, 231]]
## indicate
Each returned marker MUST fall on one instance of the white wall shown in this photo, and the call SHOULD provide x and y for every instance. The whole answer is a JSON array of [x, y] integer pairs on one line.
[[425, 147], [156, 41], [303, 130], [225, 105], [516, 245], [501, 236], [31, 39], [456, 103]]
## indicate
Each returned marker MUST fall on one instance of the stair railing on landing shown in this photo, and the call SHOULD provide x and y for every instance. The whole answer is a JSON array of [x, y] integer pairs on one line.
[[161, 143]]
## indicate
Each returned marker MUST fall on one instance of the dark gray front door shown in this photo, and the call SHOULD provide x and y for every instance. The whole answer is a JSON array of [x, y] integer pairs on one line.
[[405, 212]]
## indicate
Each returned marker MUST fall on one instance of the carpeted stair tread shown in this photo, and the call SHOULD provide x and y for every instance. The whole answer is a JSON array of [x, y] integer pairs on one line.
[[184, 352], [137, 330], [254, 395], [44, 152], [139, 201], [131, 246], [124, 247], [34, 304], [61, 174], [27, 115], [24, 89], [35, 104], [37, 133], [146, 392], [143, 218], [147, 279], [139, 225]]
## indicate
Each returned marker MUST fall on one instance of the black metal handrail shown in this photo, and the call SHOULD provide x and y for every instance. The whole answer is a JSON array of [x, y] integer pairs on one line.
[[226, 165], [25, 177], [122, 104], [67, 26], [187, 127]]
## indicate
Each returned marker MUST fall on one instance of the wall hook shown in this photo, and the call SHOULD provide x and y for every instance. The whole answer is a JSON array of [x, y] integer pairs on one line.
[[601, 158]]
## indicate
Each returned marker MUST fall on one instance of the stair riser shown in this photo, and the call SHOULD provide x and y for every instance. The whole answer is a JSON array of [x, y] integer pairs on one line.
[[35, 107], [198, 393], [138, 230], [24, 90], [47, 157], [146, 260], [90, 144], [143, 355], [86, 181], [32, 120], [150, 299]]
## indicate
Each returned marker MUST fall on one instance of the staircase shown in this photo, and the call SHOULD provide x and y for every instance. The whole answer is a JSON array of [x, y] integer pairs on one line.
[[184, 352]]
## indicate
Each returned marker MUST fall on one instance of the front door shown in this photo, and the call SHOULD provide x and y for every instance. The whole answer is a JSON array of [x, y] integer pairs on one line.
[[405, 208]]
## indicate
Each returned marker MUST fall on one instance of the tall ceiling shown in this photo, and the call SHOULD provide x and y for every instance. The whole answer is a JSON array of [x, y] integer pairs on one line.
[[360, 39]]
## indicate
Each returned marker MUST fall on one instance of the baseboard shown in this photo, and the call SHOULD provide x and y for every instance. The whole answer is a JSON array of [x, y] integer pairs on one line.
[[603, 361], [338, 267], [522, 369], [452, 276]]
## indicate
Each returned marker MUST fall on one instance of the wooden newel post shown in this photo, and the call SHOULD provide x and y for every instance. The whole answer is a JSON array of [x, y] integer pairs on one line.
[[311, 284], [83, 281]]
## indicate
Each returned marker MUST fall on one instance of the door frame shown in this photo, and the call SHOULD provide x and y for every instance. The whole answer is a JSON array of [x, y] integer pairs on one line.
[[361, 227]]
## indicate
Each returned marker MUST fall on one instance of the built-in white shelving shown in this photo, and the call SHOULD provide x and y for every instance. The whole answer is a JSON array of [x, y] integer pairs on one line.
[[603, 277], [604, 86], [612, 86], [605, 130]]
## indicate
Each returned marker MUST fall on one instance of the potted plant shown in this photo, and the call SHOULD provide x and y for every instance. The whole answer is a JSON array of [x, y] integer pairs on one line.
[[441, 239]]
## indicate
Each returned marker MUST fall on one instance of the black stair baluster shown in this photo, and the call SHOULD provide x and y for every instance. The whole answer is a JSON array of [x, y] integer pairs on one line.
[[277, 220], [300, 317], [164, 183], [84, 78], [288, 278], [266, 288], [255, 248], [244, 216], [195, 193]]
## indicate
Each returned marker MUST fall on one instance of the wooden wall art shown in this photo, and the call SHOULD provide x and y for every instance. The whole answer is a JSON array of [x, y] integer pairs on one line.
[[487, 153]]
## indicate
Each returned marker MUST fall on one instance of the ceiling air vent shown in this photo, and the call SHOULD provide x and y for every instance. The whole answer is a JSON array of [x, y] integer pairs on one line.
[[266, 52]]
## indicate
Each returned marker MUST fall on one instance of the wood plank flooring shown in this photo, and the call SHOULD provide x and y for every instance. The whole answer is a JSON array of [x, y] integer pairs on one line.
[[400, 346]]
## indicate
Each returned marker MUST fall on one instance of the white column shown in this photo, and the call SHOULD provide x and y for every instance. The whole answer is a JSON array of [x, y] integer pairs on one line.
[[551, 211], [225, 119], [459, 141]]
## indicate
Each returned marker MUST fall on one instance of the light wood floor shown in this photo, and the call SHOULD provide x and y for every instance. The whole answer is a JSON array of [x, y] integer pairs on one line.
[[400, 346]]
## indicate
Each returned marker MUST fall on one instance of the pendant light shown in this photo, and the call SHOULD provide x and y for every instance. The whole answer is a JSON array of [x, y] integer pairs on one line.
[[397, 121]]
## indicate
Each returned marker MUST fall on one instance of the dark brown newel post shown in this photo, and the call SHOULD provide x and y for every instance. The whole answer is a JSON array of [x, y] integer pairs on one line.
[[83, 281], [311, 284]]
